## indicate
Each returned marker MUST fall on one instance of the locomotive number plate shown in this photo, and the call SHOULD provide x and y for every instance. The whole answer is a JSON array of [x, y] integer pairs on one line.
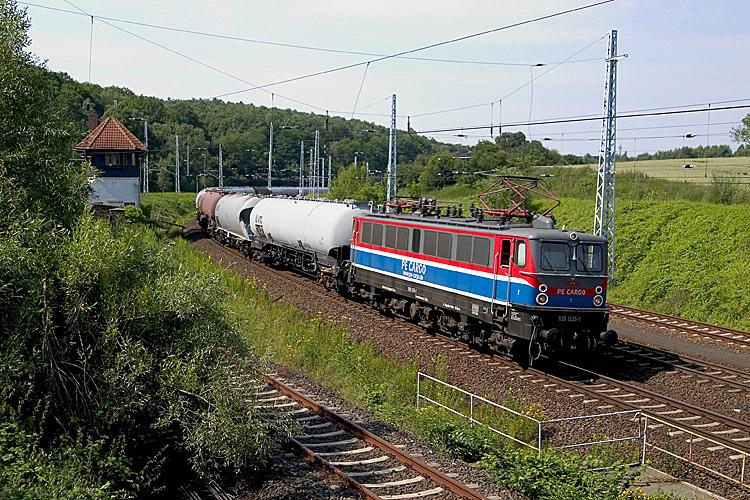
[[569, 319]]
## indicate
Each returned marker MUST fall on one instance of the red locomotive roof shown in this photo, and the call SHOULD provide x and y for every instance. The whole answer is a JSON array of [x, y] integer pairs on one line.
[[111, 134]]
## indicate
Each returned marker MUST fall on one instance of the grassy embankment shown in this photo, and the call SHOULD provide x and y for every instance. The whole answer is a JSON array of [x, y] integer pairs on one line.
[[326, 353]]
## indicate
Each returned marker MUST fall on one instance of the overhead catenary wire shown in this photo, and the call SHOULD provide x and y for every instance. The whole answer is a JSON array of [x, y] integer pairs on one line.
[[286, 44], [517, 89], [419, 49], [585, 119]]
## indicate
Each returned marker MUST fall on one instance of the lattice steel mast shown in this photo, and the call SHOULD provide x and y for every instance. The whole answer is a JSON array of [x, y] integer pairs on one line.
[[391, 194], [604, 213]]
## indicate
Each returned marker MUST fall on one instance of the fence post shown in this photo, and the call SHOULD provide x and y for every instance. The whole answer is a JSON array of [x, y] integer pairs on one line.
[[645, 428], [419, 376], [539, 437], [471, 409]]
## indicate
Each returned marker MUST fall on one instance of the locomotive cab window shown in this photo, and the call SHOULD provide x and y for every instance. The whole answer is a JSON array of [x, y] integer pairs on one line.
[[505, 253], [555, 256], [365, 232], [377, 235], [415, 236], [589, 258], [520, 254]]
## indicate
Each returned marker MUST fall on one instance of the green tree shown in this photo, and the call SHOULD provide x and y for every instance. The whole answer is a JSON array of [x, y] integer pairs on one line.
[[353, 183], [440, 171], [741, 133], [35, 172]]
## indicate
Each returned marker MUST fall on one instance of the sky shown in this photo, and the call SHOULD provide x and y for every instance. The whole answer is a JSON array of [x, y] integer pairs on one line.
[[679, 53]]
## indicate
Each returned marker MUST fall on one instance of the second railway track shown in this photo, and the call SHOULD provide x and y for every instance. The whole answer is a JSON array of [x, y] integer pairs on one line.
[[722, 334]]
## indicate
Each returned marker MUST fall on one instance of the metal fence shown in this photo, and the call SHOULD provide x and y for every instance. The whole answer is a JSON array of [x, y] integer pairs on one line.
[[529, 432], [654, 435]]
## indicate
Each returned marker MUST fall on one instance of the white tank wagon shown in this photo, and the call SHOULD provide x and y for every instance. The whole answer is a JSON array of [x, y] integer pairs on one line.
[[232, 217], [306, 234]]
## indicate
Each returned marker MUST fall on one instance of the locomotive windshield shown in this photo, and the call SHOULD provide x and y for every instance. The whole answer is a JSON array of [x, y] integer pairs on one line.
[[560, 256], [556, 256]]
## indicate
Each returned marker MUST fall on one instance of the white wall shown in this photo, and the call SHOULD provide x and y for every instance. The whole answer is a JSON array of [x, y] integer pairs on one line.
[[116, 191]]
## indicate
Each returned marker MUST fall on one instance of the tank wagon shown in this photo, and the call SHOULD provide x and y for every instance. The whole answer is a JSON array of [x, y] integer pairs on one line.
[[528, 288]]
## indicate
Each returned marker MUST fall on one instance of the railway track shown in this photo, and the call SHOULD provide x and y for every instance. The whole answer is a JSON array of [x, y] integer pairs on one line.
[[370, 465], [728, 336], [720, 377]]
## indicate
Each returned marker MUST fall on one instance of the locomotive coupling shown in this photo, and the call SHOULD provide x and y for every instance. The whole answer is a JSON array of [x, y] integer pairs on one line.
[[609, 337]]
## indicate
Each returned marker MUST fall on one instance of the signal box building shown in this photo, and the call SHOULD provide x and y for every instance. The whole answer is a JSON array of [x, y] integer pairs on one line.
[[116, 153]]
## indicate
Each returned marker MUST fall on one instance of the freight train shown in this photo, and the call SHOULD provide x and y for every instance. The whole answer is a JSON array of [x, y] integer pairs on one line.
[[526, 288]]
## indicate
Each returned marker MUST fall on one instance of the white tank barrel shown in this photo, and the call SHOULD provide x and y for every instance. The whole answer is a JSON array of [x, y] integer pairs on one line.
[[233, 213], [309, 224]]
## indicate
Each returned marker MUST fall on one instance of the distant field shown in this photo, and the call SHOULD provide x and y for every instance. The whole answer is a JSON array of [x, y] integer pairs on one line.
[[702, 172]]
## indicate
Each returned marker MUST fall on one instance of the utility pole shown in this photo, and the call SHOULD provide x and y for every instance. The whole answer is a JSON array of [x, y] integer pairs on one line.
[[187, 162], [301, 164], [221, 167], [329, 172], [145, 165], [604, 213], [316, 163], [270, 152], [391, 194], [176, 163], [310, 179]]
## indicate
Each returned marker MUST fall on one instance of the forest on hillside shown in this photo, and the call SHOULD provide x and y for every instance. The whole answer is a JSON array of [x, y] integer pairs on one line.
[[242, 131]]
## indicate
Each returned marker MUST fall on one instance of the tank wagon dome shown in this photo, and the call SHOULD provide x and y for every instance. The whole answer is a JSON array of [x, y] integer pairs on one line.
[[310, 224], [233, 213]]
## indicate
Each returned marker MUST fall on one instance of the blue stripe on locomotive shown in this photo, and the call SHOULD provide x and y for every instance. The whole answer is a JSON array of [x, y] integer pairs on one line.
[[464, 283]]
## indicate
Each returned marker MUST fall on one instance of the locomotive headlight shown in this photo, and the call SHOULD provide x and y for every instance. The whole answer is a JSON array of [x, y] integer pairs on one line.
[[542, 288], [598, 290], [598, 300], [542, 299]]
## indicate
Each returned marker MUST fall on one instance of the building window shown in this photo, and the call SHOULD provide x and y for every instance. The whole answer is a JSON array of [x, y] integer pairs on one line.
[[112, 159]]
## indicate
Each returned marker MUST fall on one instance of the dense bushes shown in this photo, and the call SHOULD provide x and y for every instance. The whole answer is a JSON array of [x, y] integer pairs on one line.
[[116, 365]]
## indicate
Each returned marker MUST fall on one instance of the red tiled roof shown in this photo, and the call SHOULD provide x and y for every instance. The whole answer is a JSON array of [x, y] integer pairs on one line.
[[111, 134]]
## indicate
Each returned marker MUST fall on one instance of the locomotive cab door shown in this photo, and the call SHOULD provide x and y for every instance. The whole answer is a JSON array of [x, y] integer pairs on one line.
[[504, 264]]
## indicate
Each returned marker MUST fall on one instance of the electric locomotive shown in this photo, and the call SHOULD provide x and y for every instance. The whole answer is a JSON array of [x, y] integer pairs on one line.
[[529, 288]]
